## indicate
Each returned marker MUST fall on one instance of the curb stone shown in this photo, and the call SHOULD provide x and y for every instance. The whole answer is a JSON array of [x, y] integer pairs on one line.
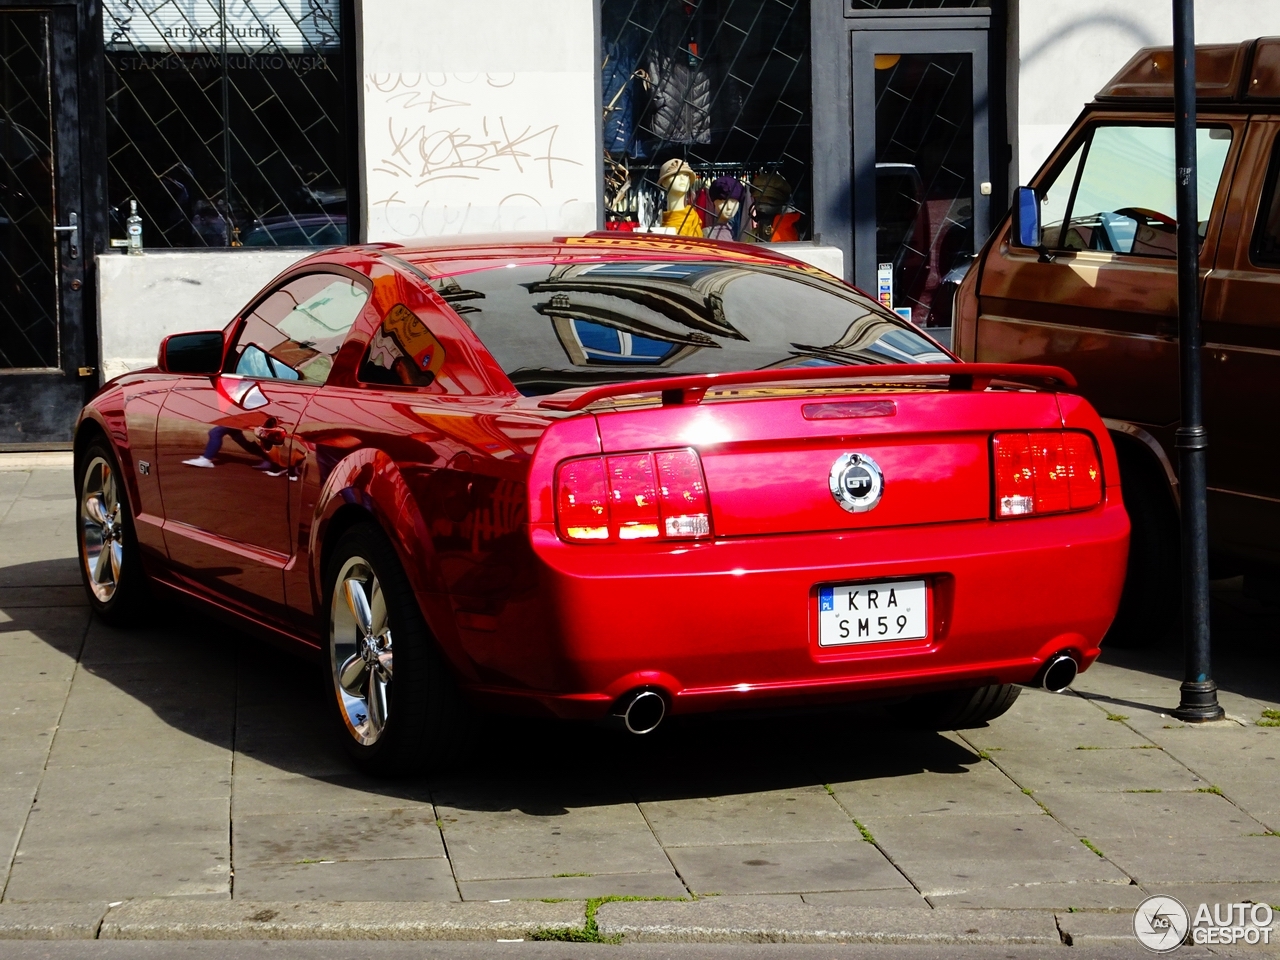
[[702, 921], [50, 921], [1096, 929], [317, 920], [709, 921]]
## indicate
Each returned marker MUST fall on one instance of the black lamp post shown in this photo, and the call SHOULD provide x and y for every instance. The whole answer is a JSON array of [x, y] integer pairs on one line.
[[1199, 692]]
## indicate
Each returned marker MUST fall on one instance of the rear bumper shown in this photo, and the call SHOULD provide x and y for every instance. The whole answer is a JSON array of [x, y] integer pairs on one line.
[[733, 623]]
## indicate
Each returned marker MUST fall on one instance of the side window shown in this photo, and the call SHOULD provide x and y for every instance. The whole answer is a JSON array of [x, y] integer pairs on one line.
[[296, 330], [1054, 200], [402, 351], [1121, 197], [1265, 249]]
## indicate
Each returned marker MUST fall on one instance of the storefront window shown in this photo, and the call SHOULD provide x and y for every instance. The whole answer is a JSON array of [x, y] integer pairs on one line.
[[227, 121], [707, 118], [915, 4]]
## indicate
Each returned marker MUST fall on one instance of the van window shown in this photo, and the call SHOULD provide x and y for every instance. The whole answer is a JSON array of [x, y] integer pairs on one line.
[[1054, 200], [1265, 249], [1123, 198]]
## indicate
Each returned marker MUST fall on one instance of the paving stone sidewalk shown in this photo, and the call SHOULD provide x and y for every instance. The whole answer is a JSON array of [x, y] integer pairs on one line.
[[187, 761]]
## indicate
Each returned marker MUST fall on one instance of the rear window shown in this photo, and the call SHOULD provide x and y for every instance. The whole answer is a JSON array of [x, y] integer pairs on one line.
[[557, 326]]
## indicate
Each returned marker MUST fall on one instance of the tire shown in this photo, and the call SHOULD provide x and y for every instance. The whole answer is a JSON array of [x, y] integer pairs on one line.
[[394, 704], [957, 709], [1151, 602], [110, 561]]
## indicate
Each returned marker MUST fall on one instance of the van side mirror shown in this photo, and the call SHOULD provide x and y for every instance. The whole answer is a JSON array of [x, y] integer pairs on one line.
[[1026, 219], [196, 353]]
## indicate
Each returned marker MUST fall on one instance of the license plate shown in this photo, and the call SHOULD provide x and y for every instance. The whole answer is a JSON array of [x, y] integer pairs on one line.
[[872, 612]]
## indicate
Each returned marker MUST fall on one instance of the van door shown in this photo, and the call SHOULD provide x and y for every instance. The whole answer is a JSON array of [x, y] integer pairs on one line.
[[1102, 300], [1242, 356]]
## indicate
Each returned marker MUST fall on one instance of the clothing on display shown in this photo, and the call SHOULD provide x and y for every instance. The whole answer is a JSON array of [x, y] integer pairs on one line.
[[680, 108], [686, 222], [618, 76], [720, 91], [784, 228]]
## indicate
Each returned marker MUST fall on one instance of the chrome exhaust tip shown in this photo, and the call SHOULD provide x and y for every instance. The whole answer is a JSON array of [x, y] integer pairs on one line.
[[1059, 673], [643, 712]]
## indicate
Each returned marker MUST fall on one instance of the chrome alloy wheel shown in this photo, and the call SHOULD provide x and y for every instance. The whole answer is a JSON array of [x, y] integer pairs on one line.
[[101, 529], [360, 650]]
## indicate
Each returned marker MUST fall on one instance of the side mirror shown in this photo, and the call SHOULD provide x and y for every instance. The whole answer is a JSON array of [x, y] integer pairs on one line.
[[1026, 219], [197, 353]]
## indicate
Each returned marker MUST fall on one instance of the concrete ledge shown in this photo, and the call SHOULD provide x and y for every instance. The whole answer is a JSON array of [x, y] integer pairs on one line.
[[246, 920], [50, 921], [36, 460], [711, 921]]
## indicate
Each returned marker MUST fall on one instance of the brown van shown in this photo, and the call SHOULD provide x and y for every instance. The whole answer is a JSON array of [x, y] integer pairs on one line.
[[1083, 274]]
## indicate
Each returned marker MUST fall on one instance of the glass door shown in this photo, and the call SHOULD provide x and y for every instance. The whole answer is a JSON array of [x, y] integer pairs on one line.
[[920, 168], [41, 235]]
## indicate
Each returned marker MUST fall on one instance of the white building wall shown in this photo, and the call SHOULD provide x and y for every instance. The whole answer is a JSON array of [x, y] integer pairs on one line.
[[479, 116], [1067, 51], [141, 300]]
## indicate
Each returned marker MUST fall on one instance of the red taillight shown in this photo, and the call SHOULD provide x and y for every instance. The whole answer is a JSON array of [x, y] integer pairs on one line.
[[1045, 471], [582, 500], [683, 494], [637, 496], [633, 497]]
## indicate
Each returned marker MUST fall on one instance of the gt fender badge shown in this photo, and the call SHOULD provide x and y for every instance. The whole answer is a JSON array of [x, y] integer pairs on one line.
[[857, 483]]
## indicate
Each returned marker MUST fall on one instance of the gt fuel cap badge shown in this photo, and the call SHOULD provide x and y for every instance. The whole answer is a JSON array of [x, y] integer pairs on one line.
[[857, 482]]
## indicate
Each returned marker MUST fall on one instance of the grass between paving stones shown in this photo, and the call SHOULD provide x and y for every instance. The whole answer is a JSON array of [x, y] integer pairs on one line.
[[866, 834], [1270, 718], [1147, 790], [1087, 843], [1117, 717], [589, 932], [1215, 789]]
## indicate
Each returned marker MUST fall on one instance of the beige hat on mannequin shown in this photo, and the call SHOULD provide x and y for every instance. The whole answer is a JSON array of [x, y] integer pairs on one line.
[[671, 169]]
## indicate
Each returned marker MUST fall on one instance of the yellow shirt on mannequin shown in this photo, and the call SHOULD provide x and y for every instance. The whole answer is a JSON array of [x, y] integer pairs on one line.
[[686, 221]]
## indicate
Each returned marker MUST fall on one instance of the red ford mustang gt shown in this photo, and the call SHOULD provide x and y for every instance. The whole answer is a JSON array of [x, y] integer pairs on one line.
[[605, 477]]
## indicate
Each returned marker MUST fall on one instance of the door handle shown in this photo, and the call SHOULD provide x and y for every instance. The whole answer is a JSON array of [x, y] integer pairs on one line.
[[72, 230]]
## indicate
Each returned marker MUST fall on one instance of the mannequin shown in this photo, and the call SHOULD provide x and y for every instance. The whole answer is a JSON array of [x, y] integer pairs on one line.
[[726, 197], [676, 177], [775, 218]]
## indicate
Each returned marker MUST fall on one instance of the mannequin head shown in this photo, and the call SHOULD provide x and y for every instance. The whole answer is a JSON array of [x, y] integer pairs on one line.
[[726, 196], [676, 178], [726, 210]]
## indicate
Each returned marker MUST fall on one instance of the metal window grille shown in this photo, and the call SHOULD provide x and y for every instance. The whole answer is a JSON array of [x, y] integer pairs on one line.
[[723, 85], [28, 258], [227, 121], [916, 4]]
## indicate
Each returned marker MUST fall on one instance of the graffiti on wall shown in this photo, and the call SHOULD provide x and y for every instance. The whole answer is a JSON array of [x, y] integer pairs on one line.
[[468, 153]]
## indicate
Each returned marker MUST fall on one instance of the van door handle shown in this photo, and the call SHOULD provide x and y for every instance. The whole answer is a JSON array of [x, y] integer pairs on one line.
[[72, 230]]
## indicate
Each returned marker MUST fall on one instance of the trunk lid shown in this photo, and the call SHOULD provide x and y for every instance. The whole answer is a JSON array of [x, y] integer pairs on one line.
[[768, 453]]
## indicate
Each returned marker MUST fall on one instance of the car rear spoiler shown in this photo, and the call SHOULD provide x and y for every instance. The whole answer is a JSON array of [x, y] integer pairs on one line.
[[691, 389]]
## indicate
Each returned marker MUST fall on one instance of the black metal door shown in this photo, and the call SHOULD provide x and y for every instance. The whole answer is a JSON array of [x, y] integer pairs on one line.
[[44, 371]]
